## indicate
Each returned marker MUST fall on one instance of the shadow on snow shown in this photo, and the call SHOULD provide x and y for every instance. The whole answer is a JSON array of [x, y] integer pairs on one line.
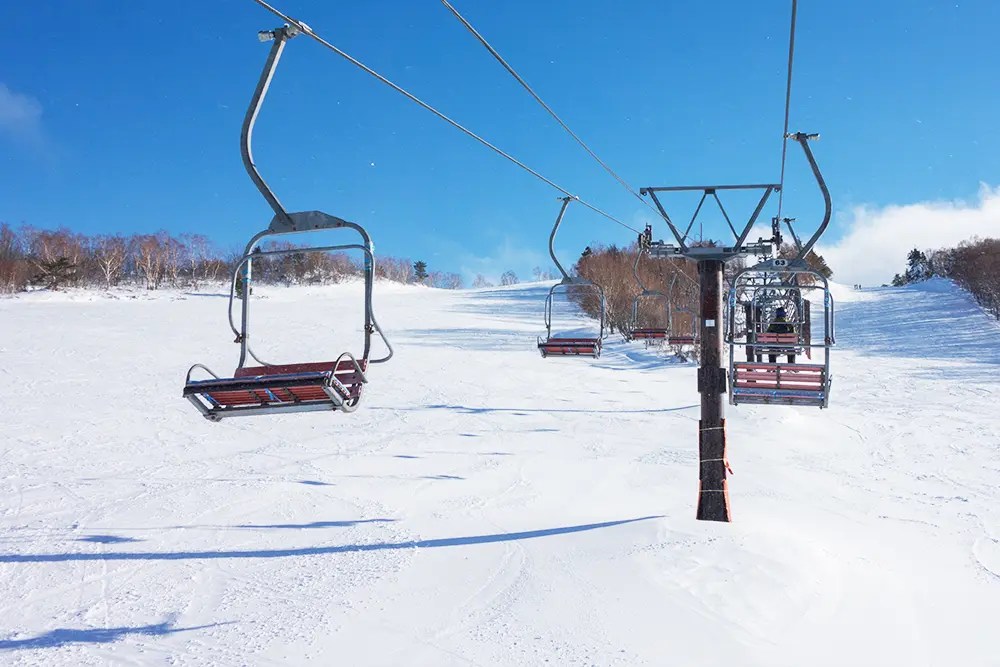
[[62, 636], [524, 411], [313, 551], [314, 524]]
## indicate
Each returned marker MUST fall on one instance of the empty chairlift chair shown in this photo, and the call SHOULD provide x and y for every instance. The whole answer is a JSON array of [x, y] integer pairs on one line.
[[678, 337], [753, 382], [570, 346], [268, 388], [646, 333]]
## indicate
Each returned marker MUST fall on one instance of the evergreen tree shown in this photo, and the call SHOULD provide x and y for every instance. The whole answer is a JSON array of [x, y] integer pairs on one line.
[[420, 271], [239, 285], [57, 272], [917, 267]]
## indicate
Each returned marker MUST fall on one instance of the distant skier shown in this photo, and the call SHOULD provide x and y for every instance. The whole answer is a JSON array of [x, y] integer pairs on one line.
[[780, 325]]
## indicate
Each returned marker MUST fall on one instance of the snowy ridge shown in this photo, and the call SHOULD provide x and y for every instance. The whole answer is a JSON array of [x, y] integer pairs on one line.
[[485, 506]]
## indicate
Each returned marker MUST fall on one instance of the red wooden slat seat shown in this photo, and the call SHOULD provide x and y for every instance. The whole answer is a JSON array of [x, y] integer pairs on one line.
[[786, 338], [570, 346], [263, 388], [345, 373], [792, 384], [764, 338], [648, 332]]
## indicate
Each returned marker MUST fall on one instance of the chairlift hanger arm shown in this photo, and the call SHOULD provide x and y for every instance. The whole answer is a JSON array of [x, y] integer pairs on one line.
[[552, 238], [642, 286], [635, 271], [804, 140], [280, 36]]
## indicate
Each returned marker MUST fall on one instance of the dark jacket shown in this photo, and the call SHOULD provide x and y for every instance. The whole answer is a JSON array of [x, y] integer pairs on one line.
[[780, 325]]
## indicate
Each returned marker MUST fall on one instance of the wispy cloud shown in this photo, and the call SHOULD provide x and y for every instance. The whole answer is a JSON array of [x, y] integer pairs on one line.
[[878, 239], [21, 118], [506, 255]]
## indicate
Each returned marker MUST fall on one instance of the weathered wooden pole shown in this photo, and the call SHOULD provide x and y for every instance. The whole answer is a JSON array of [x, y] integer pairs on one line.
[[713, 495]]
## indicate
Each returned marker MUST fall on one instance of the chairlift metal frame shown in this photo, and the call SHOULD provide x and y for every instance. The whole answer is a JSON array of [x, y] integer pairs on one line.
[[570, 346], [762, 296], [741, 248], [303, 387], [753, 382], [675, 338], [647, 333]]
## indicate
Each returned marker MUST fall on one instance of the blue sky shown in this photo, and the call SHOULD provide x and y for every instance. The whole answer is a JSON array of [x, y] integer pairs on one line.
[[125, 116]]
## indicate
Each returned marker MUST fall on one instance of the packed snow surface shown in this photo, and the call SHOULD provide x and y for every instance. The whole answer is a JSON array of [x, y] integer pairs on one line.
[[485, 506]]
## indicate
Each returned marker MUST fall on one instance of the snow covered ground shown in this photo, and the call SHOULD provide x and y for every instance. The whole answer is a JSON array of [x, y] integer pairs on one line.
[[485, 506]]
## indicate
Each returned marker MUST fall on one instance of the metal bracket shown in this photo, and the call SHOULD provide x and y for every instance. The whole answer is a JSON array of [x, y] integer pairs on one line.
[[740, 248], [712, 380]]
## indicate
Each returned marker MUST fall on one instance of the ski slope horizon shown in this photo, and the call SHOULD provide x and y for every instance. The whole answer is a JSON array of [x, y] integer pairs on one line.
[[485, 506]]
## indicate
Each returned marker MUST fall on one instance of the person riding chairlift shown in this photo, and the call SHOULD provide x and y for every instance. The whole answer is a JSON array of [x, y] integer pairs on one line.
[[780, 325]]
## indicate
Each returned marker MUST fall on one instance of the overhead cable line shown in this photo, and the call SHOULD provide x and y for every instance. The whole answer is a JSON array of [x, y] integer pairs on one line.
[[306, 30], [524, 84], [788, 103]]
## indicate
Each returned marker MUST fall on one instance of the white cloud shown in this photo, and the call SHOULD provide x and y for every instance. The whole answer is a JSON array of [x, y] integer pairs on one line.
[[20, 117], [507, 255], [877, 240]]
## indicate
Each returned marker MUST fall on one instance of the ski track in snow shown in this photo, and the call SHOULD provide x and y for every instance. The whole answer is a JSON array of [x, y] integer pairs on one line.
[[485, 506]]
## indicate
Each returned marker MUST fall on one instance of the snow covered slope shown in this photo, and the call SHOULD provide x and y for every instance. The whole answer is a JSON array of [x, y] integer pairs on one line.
[[485, 506]]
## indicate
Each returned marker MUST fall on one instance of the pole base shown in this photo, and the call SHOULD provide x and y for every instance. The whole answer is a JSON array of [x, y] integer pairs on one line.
[[713, 505]]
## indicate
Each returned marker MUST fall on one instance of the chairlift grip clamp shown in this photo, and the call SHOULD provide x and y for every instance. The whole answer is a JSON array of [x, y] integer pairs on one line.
[[289, 30]]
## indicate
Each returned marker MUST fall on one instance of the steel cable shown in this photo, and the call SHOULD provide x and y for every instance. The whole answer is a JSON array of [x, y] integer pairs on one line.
[[306, 30]]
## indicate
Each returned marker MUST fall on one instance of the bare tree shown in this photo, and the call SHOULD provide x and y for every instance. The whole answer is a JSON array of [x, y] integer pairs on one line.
[[611, 268], [174, 253], [149, 259], [59, 257], [508, 277], [14, 267], [110, 254]]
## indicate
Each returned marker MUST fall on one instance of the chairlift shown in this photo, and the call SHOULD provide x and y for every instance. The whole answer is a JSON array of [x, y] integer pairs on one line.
[[677, 338], [574, 285], [646, 333], [300, 387], [756, 382]]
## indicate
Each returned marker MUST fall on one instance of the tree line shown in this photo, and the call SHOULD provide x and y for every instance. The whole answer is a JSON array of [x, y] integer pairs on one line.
[[53, 259], [974, 265]]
